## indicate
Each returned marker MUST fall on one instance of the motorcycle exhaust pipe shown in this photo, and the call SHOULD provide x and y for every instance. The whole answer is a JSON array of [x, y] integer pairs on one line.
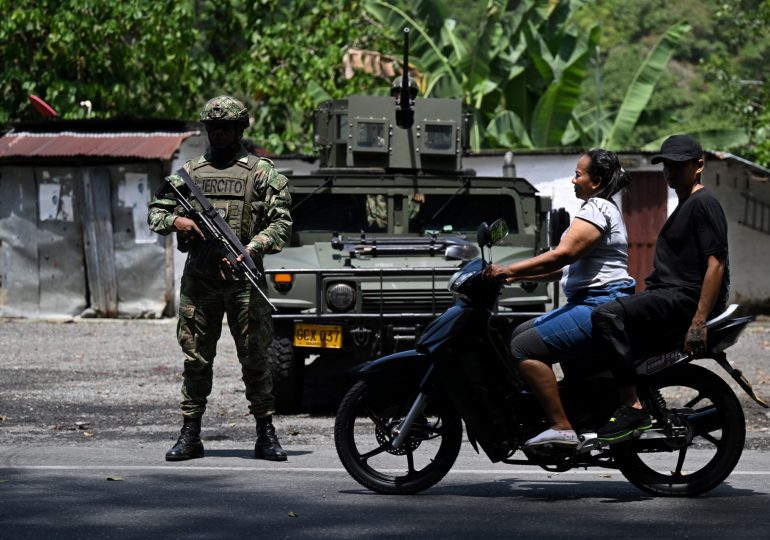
[[705, 420]]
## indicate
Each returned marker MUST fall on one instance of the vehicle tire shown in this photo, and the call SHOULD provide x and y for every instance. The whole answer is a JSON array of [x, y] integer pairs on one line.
[[363, 430], [287, 375], [709, 407]]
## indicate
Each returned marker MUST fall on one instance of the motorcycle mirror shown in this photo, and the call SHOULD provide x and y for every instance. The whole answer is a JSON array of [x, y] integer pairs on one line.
[[461, 252], [498, 231], [483, 235]]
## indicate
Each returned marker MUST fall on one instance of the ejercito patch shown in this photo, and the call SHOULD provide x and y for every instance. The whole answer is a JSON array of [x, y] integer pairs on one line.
[[223, 186]]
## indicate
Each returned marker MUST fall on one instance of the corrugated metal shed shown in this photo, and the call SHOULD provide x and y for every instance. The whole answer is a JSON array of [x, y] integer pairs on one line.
[[141, 145], [73, 216]]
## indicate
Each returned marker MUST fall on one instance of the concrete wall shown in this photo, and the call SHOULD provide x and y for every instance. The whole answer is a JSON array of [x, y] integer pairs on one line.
[[749, 253]]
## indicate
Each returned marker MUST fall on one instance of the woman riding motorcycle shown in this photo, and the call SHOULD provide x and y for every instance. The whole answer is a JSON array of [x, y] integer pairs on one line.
[[592, 261]]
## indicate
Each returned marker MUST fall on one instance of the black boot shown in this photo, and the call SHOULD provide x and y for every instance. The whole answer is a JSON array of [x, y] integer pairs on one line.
[[189, 445], [267, 446]]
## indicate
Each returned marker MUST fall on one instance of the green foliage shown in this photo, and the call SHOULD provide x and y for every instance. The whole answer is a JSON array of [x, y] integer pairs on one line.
[[738, 69], [714, 86], [520, 69], [286, 58], [125, 57], [642, 86], [167, 58], [614, 129], [524, 68]]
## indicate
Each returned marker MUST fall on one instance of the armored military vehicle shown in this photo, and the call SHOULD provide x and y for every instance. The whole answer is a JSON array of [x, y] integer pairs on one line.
[[379, 227]]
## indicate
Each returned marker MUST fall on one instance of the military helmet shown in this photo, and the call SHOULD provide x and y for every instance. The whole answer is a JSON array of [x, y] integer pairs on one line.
[[395, 88], [225, 109]]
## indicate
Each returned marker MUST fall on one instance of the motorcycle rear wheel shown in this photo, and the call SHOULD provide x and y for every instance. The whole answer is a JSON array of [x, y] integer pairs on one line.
[[363, 431], [709, 406]]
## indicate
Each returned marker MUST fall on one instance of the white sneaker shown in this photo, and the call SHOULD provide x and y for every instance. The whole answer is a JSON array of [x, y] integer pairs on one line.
[[557, 437]]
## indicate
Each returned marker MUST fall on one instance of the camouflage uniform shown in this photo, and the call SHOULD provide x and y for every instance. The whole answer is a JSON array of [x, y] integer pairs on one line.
[[254, 200], [377, 209]]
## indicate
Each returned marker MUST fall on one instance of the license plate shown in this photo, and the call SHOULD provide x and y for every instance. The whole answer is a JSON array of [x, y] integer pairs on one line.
[[317, 335]]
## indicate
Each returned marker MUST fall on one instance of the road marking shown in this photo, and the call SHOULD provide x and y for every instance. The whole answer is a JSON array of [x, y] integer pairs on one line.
[[279, 468]]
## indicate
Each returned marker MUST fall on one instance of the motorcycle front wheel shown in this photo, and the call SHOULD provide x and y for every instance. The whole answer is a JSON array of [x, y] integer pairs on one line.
[[698, 462], [364, 429]]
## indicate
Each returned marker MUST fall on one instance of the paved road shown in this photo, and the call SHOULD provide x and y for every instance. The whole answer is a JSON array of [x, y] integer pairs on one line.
[[85, 401], [66, 492]]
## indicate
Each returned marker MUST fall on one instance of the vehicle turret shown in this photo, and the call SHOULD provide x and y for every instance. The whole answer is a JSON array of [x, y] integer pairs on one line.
[[399, 131]]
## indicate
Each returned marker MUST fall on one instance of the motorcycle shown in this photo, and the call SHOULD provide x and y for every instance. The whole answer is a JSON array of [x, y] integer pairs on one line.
[[399, 428]]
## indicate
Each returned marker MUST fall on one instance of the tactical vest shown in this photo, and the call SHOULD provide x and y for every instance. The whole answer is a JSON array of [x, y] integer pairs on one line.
[[231, 192]]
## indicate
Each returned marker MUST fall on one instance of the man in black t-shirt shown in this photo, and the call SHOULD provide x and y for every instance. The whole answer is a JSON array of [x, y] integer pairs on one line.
[[688, 284]]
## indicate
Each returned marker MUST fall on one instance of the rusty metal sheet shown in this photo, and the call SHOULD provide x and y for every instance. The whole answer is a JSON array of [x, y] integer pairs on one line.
[[154, 145]]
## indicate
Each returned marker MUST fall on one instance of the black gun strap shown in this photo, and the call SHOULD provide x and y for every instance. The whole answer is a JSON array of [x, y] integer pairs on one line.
[[194, 189]]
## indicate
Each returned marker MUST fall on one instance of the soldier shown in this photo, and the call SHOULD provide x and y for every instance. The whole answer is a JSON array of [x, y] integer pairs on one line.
[[377, 210], [253, 199], [395, 88]]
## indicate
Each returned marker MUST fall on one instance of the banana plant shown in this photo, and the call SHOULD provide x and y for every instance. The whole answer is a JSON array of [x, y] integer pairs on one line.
[[564, 72], [520, 72], [616, 127], [642, 86]]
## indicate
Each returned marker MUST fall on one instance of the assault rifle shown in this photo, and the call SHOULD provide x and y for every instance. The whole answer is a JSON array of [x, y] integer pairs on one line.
[[215, 229]]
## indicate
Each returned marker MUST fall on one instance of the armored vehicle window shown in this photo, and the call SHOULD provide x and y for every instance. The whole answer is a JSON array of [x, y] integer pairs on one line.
[[438, 137], [371, 135], [336, 212], [463, 213]]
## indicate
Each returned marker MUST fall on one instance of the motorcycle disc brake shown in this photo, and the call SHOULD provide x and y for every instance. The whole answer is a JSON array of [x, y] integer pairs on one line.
[[410, 443]]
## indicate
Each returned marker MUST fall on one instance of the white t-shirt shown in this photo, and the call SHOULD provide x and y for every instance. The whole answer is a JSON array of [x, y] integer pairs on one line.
[[607, 261]]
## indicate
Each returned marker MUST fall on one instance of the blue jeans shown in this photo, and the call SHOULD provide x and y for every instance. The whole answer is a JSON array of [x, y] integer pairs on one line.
[[567, 331]]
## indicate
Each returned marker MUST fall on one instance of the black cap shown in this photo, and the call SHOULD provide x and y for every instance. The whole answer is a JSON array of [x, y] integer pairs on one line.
[[679, 148]]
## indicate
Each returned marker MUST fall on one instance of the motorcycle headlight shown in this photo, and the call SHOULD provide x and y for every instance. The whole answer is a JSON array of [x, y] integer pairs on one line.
[[461, 276], [340, 297], [458, 278]]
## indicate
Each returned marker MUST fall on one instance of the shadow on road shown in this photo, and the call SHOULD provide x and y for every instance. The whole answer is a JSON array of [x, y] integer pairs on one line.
[[557, 490], [249, 453]]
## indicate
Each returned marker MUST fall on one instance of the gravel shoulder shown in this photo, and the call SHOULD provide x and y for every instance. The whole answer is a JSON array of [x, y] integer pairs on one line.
[[115, 382]]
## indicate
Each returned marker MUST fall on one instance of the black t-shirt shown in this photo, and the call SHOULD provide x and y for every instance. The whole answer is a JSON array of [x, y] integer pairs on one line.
[[696, 230]]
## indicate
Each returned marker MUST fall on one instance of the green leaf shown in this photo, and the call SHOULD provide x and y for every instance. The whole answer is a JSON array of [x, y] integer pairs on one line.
[[642, 86], [317, 93], [507, 130], [450, 35], [554, 110], [476, 136]]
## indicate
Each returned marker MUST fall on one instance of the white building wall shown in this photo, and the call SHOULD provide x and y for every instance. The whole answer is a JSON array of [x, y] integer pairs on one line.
[[749, 253]]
